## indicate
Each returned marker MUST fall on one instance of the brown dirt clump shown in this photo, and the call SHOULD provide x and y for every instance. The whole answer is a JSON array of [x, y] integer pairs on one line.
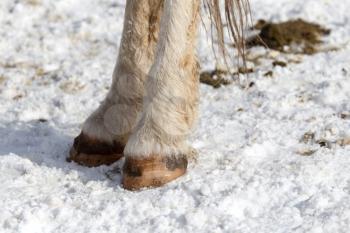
[[279, 63], [218, 78], [215, 78], [296, 36], [290, 38]]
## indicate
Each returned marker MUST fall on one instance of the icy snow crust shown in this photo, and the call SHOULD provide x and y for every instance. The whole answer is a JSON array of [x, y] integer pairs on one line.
[[56, 60]]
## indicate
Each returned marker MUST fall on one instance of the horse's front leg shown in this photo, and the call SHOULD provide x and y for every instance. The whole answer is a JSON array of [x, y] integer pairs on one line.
[[106, 131], [156, 152]]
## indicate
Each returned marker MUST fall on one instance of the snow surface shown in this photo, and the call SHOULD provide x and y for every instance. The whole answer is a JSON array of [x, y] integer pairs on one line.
[[56, 60]]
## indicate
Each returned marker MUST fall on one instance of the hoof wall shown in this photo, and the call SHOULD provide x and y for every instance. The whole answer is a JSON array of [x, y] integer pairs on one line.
[[92, 153], [92, 160], [153, 171]]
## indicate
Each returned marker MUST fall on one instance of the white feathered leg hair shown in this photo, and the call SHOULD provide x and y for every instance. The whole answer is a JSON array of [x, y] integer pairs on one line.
[[156, 152], [170, 103]]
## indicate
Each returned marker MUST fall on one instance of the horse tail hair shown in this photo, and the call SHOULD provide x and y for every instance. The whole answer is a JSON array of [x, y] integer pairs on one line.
[[235, 17]]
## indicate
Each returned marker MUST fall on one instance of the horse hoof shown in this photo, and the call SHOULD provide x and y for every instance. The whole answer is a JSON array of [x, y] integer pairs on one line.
[[152, 171], [92, 153]]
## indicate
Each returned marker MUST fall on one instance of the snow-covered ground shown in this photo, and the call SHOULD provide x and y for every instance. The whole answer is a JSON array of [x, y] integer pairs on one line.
[[253, 173]]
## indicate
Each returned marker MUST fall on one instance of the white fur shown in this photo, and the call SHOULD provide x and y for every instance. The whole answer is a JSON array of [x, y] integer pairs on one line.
[[117, 116], [158, 121], [162, 129]]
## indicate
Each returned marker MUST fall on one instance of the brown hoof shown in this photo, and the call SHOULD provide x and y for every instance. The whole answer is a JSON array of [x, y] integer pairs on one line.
[[153, 171], [92, 153]]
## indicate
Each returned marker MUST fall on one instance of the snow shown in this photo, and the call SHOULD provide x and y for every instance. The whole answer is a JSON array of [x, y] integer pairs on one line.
[[56, 60]]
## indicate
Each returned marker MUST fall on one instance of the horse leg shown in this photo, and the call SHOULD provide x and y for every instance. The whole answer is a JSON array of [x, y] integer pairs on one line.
[[106, 131], [156, 151]]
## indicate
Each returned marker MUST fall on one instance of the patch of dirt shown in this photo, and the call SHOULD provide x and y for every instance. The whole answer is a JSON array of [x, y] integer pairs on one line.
[[312, 143], [308, 138], [344, 141], [294, 36], [279, 63], [268, 73], [287, 42], [219, 77], [215, 78], [243, 70], [345, 115], [2, 79]]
